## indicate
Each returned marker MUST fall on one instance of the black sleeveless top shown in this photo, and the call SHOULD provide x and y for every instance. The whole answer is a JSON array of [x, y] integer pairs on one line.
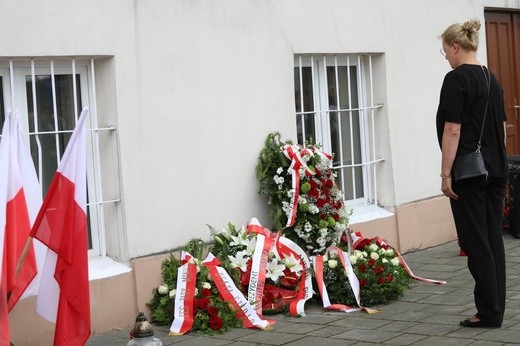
[[463, 100]]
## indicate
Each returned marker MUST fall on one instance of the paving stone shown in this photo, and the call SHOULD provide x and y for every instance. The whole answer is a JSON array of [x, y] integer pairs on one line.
[[375, 335], [269, 338], [313, 341], [405, 339]]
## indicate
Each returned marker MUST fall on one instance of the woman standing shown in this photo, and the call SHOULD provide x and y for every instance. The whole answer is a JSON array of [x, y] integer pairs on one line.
[[476, 203]]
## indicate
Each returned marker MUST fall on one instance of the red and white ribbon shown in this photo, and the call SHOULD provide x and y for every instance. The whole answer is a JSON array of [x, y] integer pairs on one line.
[[285, 247], [292, 152], [264, 241], [231, 294], [183, 309]]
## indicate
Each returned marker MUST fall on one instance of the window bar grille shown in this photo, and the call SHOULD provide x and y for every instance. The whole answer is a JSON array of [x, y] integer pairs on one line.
[[74, 91], [339, 116], [100, 208], [302, 110], [11, 76], [55, 115], [373, 130], [35, 121], [325, 111], [313, 83], [353, 168]]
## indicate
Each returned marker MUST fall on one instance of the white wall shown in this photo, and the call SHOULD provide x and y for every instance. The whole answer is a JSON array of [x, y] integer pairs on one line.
[[199, 85]]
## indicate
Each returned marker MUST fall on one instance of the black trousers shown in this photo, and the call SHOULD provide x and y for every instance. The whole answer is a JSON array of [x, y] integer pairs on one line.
[[478, 214]]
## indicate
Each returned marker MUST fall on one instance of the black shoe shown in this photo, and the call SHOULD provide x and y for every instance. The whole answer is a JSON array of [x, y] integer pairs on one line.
[[479, 324]]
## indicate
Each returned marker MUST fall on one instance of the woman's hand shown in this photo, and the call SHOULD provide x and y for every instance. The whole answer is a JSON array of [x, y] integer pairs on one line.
[[446, 188]]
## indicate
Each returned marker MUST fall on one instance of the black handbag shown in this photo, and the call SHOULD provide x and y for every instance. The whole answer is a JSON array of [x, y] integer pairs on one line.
[[472, 164]]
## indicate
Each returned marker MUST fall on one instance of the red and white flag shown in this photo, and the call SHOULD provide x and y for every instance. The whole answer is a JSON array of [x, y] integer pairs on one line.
[[20, 200], [61, 224]]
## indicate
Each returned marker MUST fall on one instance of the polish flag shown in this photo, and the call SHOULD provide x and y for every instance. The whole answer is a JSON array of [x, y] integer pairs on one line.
[[64, 297], [20, 200]]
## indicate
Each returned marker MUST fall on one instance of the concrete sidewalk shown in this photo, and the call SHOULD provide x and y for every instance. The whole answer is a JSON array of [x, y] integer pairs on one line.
[[427, 314]]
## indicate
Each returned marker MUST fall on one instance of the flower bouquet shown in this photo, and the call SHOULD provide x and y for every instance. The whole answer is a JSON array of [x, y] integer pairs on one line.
[[303, 197], [381, 275], [211, 313], [236, 249]]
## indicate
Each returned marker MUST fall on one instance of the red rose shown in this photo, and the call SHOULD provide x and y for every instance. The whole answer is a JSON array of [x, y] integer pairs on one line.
[[361, 245], [212, 310], [343, 239], [338, 204], [380, 280], [203, 303], [215, 322], [328, 173], [371, 262], [379, 270], [336, 218], [323, 216], [362, 282], [313, 183], [329, 184], [320, 203], [389, 278], [318, 173], [362, 268], [205, 292]]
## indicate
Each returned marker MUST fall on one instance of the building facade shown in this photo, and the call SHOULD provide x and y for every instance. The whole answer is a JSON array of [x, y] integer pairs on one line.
[[183, 93]]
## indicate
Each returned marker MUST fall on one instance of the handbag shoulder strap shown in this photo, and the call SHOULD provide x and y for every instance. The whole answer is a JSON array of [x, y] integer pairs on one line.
[[488, 80]]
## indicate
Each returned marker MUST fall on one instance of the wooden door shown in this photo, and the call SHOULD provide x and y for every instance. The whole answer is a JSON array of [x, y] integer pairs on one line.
[[503, 54]]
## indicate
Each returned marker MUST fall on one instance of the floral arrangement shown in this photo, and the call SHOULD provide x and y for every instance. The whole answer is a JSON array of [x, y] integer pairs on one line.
[[212, 315], [382, 277], [308, 206], [235, 248]]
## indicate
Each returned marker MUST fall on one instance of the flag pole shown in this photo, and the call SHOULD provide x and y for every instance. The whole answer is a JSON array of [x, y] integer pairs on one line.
[[24, 253]]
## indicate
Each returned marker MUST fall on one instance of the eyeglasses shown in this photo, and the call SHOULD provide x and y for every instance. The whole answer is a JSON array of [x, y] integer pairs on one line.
[[443, 52]]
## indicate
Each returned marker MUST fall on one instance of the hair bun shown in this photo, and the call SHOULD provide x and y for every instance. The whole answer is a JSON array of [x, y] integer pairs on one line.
[[472, 25]]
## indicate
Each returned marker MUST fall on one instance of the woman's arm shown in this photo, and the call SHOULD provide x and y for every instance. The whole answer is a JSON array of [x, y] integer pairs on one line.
[[450, 143]]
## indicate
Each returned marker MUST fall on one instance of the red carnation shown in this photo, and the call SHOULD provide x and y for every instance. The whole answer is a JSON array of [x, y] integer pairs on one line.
[[323, 216], [205, 292], [362, 268], [318, 173], [338, 204], [380, 280], [371, 262], [313, 193], [362, 282], [389, 278], [215, 322], [212, 310], [336, 218], [313, 183], [329, 183], [320, 203]]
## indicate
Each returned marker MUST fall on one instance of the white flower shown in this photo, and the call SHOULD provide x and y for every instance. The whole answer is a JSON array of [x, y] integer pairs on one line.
[[206, 285], [274, 270], [395, 261], [279, 170], [278, 180], [173, 293], [358, 254], [384, 260], [196, 291], [307, 227], [373, 247], [332, 263], [374, 255], [390, 252], [226, 233], [240, 260], [313, 209], [251, 246], [163, 289], [353, 259], [240, 239], [293, 264]]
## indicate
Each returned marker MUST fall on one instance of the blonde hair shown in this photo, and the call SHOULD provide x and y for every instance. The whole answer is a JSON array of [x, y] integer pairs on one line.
[[465, 35]]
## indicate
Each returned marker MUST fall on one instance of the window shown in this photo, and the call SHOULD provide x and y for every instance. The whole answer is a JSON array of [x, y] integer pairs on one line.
[[334, 101], [49, 95]]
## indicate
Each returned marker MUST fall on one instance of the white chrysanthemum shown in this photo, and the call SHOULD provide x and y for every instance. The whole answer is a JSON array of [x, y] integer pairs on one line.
[[163, 289], [313, 209]]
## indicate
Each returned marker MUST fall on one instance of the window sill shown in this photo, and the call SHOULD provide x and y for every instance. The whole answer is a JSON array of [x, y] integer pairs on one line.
[[368, 213], [105, 267]]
